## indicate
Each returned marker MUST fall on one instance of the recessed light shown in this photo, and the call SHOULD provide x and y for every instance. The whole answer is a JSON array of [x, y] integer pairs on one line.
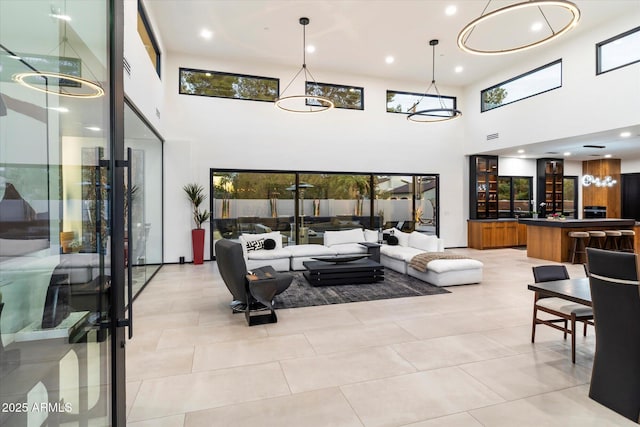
[[520, 151], [206, 34], [536, 26], [459, 69], [451, 10], [389, 59], [14, 57], [567, 154], [311, 48], [625, 134], [93, 128], [607, 156]]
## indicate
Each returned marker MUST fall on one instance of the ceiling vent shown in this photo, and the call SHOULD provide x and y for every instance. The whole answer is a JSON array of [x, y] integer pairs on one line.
[[553, 153], [493, 136], [157, 113], [594, 146]]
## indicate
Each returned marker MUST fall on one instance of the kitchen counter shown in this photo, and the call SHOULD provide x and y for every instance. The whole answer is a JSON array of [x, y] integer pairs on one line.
[[549, 239]]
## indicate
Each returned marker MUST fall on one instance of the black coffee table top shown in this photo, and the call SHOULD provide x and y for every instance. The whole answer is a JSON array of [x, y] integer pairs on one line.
[[340, 258], [323, 266]]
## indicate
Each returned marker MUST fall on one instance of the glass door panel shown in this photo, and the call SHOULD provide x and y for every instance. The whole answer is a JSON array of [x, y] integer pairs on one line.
[[55, 225], [144, 246]]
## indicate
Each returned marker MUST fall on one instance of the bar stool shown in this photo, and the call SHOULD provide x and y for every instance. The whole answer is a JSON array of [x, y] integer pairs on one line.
[[596, 239], [612, 239], [578, 248], [627, 241]]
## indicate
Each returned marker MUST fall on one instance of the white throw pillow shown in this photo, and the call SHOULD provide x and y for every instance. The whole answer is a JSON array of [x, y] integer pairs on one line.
[[343, 236], [371, 236], [403, 238], [275, 235], [423, 241]]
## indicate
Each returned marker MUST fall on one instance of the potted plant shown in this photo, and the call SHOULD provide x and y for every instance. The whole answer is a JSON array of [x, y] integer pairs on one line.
[[195, 194]]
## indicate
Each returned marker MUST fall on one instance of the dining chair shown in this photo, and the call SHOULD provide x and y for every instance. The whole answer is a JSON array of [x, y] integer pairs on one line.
[[615, 293], [565, 311]]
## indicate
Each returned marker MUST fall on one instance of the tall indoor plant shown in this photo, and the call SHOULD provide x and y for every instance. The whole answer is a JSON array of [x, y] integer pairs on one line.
[[195, 194]]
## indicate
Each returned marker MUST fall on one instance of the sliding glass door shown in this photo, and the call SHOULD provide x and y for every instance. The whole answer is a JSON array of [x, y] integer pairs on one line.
[[58, 198]]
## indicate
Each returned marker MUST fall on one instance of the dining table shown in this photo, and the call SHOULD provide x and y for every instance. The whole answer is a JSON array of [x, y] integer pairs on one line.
[[575, 290]]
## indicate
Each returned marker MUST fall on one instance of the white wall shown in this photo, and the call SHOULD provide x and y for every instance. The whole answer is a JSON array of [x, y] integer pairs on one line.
[[203, 133], [143, 87], [585, 103]]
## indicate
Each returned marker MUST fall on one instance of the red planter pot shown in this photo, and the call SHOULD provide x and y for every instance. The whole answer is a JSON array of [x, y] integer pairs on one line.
[[197, 243]]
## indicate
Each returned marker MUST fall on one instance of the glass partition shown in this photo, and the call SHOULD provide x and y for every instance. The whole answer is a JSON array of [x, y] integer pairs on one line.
[[55, 199], [515, 196], [302, 206], [145, 244]]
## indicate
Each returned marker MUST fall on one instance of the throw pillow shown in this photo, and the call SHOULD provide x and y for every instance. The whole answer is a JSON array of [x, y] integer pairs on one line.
[[269, 244], [255, 245], [392, 241]]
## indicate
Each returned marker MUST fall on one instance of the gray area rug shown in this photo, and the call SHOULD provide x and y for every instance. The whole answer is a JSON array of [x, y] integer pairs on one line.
[[395, 285]]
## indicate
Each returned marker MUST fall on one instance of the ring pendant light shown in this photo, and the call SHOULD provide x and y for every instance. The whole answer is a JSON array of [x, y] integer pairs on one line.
[[23, 78], [39, 80], [303, 103], [432, 115], [465, 33]]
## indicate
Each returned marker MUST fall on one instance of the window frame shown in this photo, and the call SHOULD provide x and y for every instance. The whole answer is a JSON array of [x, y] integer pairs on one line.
[[224, 73], [360, 89], [418, 95], [512, 200], [142, 13], [608, 41], [518, 77]]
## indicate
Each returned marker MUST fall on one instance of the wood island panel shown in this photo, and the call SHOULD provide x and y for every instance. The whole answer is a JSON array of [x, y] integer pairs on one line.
[[550, 239]]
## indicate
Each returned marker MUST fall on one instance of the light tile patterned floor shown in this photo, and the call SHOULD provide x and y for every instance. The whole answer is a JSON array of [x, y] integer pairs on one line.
[[462, 359]]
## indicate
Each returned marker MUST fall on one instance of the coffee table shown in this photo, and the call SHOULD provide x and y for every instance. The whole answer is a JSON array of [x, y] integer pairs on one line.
[[322, 273]]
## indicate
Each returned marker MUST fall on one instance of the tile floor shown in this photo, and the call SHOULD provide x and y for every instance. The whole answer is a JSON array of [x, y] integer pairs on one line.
[[462, 359]]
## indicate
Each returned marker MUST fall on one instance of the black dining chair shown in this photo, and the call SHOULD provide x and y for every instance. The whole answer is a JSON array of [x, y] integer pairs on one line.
[[615, 294], [564, 311]]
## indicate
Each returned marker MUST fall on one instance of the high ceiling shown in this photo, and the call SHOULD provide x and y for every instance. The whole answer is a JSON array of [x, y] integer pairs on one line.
[[355, 36]]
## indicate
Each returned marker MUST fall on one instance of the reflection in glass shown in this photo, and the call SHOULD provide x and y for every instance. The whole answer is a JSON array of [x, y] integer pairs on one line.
[[227, 85], [145, 245], [55, 196], [303, 206], [407, 102], [618, 51], [535, 82]]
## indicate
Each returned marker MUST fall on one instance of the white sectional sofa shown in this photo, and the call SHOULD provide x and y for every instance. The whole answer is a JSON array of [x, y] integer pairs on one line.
[[266, 249], [440, 272]]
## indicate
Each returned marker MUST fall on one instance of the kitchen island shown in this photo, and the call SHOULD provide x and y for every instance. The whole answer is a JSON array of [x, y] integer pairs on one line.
[[549, 239]]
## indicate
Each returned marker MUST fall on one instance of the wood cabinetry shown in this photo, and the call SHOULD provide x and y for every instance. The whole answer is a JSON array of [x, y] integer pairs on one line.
[[483, 187], [550, 185], [495, 234]]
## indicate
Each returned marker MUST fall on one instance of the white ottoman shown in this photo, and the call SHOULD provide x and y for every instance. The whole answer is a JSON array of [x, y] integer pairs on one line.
[[449, 272], [301, 253]]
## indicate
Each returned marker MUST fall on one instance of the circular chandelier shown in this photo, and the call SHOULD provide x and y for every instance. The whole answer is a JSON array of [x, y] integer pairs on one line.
[[431, 115], [463, 36], [96, 90], [307, 103]]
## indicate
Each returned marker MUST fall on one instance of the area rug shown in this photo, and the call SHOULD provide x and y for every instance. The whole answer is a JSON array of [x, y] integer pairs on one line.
[[395, 285]]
